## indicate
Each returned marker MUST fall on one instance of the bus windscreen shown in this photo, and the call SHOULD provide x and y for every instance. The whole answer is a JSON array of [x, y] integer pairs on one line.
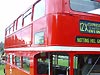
[[88, 6]]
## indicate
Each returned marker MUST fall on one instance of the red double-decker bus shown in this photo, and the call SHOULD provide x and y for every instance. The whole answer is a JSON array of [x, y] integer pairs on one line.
[[55, 37]]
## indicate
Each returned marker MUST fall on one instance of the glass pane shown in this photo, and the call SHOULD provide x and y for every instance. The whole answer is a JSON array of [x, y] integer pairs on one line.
[[39, 7], [11, 29], [39, 38], [18, 61], [15, 27], [19, 25], [60, 64], [89, 6], [63, 60], [26, 64], [27, 17], [87, 64], [55, 63], [11, 59], [42, 67]]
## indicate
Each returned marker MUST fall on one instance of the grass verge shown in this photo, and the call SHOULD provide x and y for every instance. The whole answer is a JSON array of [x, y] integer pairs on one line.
[[1, 69]]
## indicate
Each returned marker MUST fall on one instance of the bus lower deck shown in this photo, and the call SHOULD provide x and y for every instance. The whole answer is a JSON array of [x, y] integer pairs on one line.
[[53, 63]]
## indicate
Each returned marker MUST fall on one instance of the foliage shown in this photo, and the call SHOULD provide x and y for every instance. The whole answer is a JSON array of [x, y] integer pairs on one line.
[[1, 46], [1, 69]]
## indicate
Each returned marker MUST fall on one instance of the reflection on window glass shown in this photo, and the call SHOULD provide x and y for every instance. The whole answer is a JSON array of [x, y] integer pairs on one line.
[[60, 64], [42, 67], [39, 38], [6, 58], [39, 10], [86, 64], [26, 64], [19, 25], [11, 59], [61, 60], [11, 30], [18, 61], [15, 25], [6, 32], [75, 62], [27, 17], [57, 61], [89, 6]]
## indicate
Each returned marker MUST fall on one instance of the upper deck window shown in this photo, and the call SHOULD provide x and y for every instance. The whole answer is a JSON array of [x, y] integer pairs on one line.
[[27, 17], [19, 22], [88, 6], [39, 10]]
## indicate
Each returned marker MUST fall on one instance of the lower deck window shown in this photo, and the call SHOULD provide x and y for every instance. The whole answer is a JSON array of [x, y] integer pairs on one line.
[[26, 64], [23, 63], [57, 63], [18, 61], [86, 64]]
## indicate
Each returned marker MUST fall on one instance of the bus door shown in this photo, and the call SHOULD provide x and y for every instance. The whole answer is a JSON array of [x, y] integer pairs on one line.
[[53, 63]]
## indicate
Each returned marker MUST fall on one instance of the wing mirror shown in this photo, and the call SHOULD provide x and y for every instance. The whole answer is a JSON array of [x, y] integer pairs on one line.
[[96, 0]]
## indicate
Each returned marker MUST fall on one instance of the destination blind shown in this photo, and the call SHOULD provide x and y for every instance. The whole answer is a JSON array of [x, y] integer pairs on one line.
[[89, 27], [80, 39]]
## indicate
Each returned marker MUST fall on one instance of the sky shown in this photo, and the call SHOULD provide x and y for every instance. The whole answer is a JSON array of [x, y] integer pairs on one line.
[[9, 11]]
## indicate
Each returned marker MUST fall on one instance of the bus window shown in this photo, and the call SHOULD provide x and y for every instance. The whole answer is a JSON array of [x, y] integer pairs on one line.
[[39, 37], [60, 64], [15, 27], [19, 24], [53, 63], [75, 62], [75, 65], [26, 64], [63, 60], [42, 66], [7, 31], [18, 61], [86, 64], [11, 28], [27, 17], [39, 7], [89, 6], [11, 59]]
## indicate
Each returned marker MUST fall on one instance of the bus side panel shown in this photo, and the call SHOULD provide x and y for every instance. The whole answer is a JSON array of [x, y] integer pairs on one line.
[[63, 30], [39, 26], [7, 69], [20, 38], [17, 71]]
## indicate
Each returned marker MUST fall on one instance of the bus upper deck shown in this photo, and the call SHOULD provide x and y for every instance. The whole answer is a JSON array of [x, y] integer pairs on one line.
[[60, 23]]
